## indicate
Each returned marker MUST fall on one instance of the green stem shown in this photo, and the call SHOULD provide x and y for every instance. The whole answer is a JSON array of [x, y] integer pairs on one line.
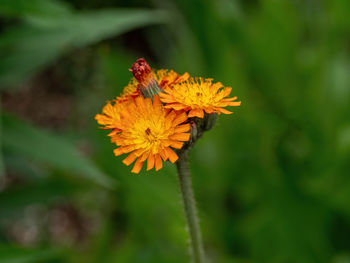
[[190, 208], [2, 164]]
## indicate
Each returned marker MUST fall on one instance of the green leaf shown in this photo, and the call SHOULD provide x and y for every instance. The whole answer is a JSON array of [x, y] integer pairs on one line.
[[42, 146], [27, 49]]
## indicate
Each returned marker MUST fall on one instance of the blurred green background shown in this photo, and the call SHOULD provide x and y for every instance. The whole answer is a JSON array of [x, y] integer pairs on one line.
[[271, 181]]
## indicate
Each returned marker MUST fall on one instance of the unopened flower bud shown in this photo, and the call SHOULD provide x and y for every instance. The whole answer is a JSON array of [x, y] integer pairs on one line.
[[142, 72]]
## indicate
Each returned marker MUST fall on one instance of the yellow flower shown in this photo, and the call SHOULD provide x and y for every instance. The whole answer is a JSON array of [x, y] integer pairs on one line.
[[149, 132], [197, 96]]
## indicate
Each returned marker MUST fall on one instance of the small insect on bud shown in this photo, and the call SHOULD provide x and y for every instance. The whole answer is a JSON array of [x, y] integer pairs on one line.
[[142, 72]]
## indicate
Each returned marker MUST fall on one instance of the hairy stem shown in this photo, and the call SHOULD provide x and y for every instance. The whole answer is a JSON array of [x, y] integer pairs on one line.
[[190, 208]]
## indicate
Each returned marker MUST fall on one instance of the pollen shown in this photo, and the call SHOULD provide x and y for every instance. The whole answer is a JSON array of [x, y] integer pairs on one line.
[[197, 96]]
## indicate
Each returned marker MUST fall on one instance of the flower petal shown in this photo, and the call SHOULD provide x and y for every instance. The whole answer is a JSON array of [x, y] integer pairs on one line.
[[137, 167], [183, 137], [224, 111], [196, 113], [171, 154], [130, 159], [163, 155], [158, 162], [183, 128], [180, 119], [150, 162], [175, 106]]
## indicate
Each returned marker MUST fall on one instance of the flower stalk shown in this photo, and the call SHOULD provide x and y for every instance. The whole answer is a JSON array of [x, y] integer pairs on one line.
[[190, 208]]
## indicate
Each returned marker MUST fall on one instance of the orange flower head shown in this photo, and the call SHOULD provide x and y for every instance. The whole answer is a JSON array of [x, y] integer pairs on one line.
[[198, 96], [149, 132]]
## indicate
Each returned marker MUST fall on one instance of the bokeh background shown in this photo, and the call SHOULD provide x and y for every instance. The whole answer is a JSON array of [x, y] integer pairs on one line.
[[272, 181]]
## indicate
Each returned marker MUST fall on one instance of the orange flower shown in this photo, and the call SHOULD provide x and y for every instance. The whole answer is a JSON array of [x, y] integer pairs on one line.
[[198, 96], [149, 132]]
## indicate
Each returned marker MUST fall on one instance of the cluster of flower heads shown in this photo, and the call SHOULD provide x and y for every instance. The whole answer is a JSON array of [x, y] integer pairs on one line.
[[156, 111]]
